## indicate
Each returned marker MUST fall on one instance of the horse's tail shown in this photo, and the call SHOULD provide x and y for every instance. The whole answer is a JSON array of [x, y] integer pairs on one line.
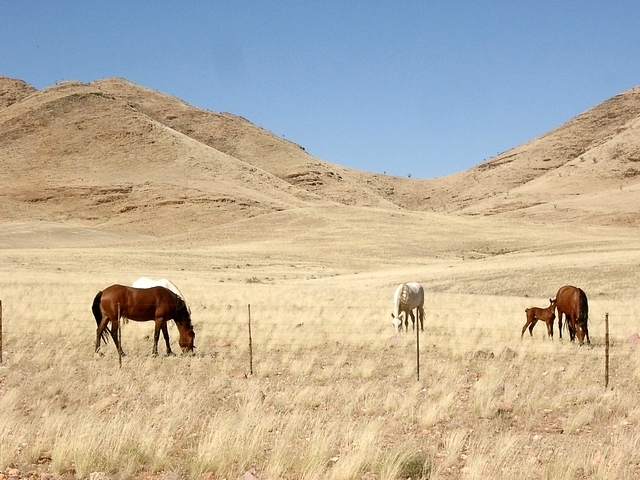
[[97, 313]]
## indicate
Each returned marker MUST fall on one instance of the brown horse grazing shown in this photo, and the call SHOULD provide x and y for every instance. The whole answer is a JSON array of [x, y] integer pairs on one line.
[[142, 304], [572, 302], [547, 315]]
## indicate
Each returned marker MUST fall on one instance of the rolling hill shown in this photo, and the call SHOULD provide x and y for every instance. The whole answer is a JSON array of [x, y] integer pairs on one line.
[[117, 156]]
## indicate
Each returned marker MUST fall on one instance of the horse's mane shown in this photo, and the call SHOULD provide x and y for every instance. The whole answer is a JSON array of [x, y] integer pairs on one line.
[[181, 307], [404, 293], [584, 306]]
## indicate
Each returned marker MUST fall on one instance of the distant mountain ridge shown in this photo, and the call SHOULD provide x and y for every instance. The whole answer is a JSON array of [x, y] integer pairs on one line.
[[112, 154]]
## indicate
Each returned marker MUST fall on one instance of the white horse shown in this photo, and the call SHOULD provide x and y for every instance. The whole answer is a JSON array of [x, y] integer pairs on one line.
[[145, 282], [407, 297]]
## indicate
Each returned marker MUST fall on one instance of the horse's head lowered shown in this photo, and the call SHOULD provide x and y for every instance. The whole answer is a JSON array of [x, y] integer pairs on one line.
[[183, 322], [396, 320]]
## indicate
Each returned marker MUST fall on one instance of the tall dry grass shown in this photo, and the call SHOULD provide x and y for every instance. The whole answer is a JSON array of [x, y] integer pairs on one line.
[[334, 394]]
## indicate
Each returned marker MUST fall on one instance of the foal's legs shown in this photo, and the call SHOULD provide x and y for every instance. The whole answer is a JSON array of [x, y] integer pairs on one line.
[[531, 322], [421, 317]]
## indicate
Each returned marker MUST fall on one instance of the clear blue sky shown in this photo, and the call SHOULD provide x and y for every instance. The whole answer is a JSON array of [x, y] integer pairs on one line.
[[426, 88]]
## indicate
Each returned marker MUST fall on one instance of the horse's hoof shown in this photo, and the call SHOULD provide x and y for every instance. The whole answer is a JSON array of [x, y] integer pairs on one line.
[[171, 354]]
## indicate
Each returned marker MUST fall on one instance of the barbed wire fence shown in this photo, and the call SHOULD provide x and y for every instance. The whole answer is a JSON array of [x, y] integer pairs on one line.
[[227, 320]]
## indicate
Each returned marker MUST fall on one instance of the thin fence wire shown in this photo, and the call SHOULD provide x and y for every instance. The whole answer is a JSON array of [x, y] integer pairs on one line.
[[302, 321], [64, 309]]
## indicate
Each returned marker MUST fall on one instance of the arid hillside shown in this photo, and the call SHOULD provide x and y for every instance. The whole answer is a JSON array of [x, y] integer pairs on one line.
[[586, 170], [114, 155], [107, 182]]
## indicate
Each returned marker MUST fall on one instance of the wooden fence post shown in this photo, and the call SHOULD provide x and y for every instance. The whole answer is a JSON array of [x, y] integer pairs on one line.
[[119, 338], [606, 351], [418, 347], [250, 343]]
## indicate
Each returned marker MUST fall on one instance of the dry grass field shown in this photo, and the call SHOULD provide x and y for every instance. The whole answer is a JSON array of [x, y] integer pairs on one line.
[[313, 263]]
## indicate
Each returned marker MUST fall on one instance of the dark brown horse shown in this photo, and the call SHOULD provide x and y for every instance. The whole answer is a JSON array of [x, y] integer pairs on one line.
[[572, 302], [142, 304], [547, 315]]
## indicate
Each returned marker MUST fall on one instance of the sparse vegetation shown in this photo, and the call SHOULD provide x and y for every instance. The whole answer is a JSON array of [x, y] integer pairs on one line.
[[332, 397], [236, 216]]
